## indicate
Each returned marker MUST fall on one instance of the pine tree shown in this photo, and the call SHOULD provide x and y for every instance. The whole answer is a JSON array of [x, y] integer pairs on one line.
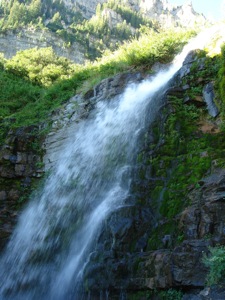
[[34, 9]]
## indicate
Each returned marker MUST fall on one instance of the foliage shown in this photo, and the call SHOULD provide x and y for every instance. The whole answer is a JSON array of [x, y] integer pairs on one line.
[[40, 66], [221, 81], [96, 34], [18, 13], [181, 154], [141, 295], [215, 261], [149, 48], [15, 93], [135, 19], [36, 81], [170, 294]]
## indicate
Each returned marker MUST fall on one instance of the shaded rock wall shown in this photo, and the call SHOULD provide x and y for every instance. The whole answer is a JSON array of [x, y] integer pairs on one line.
[[20, 169]]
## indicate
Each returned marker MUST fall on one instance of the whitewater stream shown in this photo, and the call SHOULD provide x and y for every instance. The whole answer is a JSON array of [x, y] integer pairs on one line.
[[51, 244]]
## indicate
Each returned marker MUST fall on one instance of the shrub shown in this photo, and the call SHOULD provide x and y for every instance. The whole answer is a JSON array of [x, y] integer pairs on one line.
[[170, 295], [215, 261]]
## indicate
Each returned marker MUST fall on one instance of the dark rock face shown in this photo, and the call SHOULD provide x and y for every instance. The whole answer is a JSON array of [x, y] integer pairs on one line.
[[20, 165], [206, 217], [64, 121], [206, 294], [122, 259]]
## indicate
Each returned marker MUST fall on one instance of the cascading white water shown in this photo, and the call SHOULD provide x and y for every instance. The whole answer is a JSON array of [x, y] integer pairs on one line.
[[49, 248]]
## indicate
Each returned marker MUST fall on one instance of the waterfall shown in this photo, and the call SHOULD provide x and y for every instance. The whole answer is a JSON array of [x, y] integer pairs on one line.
[[49, 248]]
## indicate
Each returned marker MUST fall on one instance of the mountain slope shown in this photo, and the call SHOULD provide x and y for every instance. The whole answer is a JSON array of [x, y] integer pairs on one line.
[[84, 30]]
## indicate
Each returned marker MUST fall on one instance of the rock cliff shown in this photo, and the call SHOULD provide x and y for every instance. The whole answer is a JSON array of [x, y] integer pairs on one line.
[[11, 42], [170, 15], [176, 208], [86, 8], [160, 10], [143, 247]]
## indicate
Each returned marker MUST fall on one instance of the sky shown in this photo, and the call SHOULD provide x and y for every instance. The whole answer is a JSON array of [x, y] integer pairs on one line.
[[214, 9]]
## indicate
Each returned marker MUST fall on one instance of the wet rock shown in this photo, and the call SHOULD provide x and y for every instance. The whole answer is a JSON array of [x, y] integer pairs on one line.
[[78, 107], [7, 171], [21, 158], [209, 293], [186, 67], [14, 195], [197, 101], [3, 195], [188, 269], [206, 218], [209, 96], [176, 92], [20, 170], [158, 268], [18, 164]]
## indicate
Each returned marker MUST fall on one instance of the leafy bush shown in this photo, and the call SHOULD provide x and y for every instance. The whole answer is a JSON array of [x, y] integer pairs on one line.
[[16, 13], [40, 66], [221, 80], [170, 295], [215, 261]]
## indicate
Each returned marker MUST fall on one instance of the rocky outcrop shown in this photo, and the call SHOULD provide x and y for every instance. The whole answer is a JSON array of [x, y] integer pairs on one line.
[[11, 42], [20, 167], [167, 14], [86, 8], [209, 96], [205, 218], [64, 120], [170, 15]]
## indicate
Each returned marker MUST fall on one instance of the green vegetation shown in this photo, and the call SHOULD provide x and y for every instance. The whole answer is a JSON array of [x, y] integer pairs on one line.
[[135, 19], [179, 163], [221, 81], [170, 294], [141, 295], [40, 66], [95, 34], [35, 82], [18, 13], [215, 261], [181, 153]]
